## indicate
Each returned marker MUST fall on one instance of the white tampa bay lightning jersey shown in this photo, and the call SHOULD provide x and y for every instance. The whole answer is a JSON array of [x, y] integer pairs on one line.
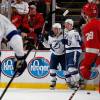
[[55, 44], [5, 27], [73, 38]]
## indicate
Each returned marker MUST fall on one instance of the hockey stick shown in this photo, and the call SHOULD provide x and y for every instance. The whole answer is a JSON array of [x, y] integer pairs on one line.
[[73, 94], [7, 86]]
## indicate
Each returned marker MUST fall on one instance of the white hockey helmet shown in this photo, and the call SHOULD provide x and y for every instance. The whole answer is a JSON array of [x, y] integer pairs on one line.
[[56, 25], [70, 21]]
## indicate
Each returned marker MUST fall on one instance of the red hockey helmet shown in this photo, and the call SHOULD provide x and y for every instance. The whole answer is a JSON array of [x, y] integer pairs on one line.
[[90, 9]]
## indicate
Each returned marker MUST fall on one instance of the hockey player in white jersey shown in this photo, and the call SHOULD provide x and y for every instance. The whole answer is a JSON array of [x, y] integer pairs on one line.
[[57, 51], [72, 43], [9, 31]]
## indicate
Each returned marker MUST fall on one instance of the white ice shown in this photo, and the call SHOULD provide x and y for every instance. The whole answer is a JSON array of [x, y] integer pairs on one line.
[[32, 94]]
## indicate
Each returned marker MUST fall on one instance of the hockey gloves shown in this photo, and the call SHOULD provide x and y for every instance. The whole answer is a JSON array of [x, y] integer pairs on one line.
[[64, 41], [20, 65]]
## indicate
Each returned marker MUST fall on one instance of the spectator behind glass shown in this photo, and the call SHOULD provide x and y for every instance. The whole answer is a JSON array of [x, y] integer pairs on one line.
[[43, 6], [33, 23], [20, 9], [40, 4], [21, 6], [48, 5], [98, 5], [16, 18]]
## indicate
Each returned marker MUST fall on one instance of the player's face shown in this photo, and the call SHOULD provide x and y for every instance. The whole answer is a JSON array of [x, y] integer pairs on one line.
[[68, 26], [56, 30]]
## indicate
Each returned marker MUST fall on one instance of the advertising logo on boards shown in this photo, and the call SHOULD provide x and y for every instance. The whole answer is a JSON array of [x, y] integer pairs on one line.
[[38, 67], [7, 66]]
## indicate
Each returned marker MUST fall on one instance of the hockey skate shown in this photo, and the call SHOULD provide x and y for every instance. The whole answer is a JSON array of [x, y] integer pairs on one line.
[[73, 85], [79, 84], [53, 84]]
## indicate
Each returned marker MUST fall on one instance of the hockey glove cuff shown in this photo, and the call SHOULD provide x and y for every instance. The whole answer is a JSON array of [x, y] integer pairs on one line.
[[20, 65]]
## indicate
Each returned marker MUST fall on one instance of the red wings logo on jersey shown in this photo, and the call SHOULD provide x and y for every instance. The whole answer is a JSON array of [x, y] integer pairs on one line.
[[89, 36]]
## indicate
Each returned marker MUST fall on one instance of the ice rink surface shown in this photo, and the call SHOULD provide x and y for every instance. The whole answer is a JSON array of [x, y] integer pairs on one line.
[[32, 94]]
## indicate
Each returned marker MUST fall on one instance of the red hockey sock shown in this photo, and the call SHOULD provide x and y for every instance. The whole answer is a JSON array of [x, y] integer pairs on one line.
[[85, 72]]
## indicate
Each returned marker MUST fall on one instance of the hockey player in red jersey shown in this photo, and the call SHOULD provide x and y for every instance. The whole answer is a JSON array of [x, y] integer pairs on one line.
[[91, 31]]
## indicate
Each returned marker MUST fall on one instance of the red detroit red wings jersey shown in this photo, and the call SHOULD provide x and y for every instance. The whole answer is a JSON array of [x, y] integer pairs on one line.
[[91, 33]]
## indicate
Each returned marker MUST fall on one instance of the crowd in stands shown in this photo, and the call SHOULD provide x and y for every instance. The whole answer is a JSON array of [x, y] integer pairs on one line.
[[29, 17]]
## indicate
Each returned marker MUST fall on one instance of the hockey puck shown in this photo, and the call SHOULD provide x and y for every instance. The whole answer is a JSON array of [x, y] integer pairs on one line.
[[88, 93]]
